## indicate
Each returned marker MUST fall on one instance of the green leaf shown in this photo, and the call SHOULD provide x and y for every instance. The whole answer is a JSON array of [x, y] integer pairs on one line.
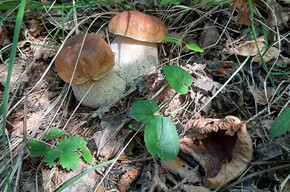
[[54, 133], [37, 148], [87, 156], [143, 111], [72, 143], [161, 138], [170, 40], [281, 124], [69, 160], [177, 78], [51, 156], [194, 47]]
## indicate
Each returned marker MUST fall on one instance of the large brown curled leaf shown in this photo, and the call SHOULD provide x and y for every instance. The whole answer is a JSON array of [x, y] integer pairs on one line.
[[223, 148], [247, 48], [243, 16]]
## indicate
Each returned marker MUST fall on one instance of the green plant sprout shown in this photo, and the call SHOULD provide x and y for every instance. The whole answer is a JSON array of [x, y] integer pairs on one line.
[[191, 47], [281, 124], [161, 137], [67, 153]]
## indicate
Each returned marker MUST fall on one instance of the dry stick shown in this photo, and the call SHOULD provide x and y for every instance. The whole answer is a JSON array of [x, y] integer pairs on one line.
[[75, 17], [253, 175], [276, 59], [284, 182]]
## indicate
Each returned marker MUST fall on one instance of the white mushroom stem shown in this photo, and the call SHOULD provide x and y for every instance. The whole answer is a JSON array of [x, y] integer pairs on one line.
[[105, 91], [134, 58]]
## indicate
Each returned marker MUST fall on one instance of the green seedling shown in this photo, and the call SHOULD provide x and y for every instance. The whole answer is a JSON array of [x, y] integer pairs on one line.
[[191, 47], [177, 78], [161, 137], [67, 153], [281, 124], [160, 134]]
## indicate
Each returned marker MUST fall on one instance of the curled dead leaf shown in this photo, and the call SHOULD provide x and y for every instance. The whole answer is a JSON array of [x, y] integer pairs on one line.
[[127, 178], [209, 36], [271, 53], [35, 28], [247, 48], [260, 94], [243, 16], [223, 148]]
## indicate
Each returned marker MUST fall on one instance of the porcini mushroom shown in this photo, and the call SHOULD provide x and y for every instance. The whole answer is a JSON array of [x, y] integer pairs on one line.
[[135, 46], [92, 69]]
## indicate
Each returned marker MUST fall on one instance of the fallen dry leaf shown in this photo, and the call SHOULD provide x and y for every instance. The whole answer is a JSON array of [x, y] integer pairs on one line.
[[113, 144], [202, 87], [208, 36], [275, 16], [111, 125], [267, 151], [35, 28], [43, 51], [246, 48], [33, 120], [271, 53], [53, 179], [286, 60], [2, 34], [260, 94], [127, 179], [206, 84], [223, 148], [243, 16], [17, 72]]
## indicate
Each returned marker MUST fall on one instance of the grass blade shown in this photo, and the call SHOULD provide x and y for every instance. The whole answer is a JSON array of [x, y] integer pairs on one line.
[[7, 84], [82, 174]]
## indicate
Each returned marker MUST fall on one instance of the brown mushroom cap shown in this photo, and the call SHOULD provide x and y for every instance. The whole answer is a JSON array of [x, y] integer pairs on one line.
[[138, 26], [95, 61]]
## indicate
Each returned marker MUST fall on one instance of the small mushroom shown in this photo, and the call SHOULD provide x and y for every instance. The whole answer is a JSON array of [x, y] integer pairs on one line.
[[135, 46], [92, 69]]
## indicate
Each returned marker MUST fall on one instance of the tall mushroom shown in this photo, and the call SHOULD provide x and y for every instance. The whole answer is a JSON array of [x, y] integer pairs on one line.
[[92, 69], [135, 46]]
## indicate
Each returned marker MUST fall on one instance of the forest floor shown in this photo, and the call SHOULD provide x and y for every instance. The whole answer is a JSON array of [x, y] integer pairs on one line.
[[231, 37]]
